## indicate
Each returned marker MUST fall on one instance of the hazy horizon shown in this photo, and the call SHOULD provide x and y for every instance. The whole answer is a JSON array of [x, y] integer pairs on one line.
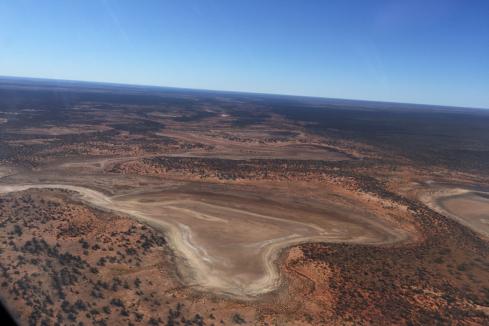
[[240, 92]]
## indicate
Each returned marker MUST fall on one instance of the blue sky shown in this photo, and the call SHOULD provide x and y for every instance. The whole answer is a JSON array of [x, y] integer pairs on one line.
[[419, 51]]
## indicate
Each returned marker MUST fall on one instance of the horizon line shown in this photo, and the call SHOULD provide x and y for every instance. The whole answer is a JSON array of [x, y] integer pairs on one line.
[[242, 92]]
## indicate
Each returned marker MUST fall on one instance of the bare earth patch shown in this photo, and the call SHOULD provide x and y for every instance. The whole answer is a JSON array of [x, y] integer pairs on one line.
[[61, 130], [469, 207], [228, 249]]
